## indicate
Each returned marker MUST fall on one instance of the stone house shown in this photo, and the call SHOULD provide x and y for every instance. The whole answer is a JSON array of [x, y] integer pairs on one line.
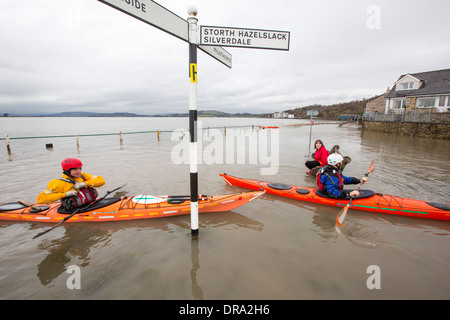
[[425, 90], [376, 104]]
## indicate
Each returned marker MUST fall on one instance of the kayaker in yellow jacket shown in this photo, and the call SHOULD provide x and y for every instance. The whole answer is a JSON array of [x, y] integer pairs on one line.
[[75, 188]]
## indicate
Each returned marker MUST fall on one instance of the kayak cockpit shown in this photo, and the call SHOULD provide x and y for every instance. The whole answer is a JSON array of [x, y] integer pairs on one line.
[[362, 194], [88, 207], [304, 191], [441, 206], [12, 206]]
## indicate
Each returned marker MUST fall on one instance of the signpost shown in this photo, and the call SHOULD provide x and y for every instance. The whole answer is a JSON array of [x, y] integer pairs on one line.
[[209, 40], [312, 113], [193, 42]]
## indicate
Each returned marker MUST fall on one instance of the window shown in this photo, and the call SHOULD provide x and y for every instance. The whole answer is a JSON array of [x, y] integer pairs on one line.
[[448, 101], [425, 102], [398, 104], [441, 101], [405, 86]]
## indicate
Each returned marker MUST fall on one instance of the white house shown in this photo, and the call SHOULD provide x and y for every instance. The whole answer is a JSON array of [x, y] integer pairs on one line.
[[423, 90]]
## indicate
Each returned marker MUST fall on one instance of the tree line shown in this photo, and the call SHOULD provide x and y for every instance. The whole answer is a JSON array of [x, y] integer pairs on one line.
[[333, 111]]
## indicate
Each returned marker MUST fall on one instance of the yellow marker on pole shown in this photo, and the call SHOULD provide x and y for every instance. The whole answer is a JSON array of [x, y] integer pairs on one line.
[[193, 72]]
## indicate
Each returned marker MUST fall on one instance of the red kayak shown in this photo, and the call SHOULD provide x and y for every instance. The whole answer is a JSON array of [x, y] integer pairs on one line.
[[367, 201]]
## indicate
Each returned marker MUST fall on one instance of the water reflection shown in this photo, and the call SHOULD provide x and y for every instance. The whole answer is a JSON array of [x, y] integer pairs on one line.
[[75, 244], [359, 227], [77, 241], [197, 291], [436, 227]]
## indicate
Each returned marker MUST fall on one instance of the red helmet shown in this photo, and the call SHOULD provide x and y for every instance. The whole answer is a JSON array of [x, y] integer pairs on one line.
[[70, 163]]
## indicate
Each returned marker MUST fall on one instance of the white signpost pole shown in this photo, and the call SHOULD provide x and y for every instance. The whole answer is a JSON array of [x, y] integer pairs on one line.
[[312, 113], [193, 42]]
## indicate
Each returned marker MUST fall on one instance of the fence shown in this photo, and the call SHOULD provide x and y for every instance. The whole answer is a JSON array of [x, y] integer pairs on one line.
[[120, 134], [408, 116]]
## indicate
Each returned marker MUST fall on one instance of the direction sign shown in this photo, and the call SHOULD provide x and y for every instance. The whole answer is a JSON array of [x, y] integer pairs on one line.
[[218, 53], [244, 38], [152, 13], [157, 16]]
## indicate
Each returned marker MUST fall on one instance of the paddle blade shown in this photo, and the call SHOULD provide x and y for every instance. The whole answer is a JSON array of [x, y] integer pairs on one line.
[[341, 216], [147, 199], [372, 166]]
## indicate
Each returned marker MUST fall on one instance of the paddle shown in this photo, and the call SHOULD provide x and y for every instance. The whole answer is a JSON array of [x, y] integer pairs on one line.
[[187, 196], [77, 210], [343, 213], [26, 204], [181, 199], [149, 199]]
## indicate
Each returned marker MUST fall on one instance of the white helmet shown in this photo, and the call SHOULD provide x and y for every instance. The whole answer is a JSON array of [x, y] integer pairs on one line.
[[334, 158]]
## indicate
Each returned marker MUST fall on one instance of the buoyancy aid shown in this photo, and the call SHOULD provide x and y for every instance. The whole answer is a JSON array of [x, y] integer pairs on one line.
[[85, 195], [329, 172], [321, 155]]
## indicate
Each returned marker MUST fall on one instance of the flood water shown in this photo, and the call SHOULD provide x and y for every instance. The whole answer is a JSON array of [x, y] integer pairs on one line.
[[271, 248]]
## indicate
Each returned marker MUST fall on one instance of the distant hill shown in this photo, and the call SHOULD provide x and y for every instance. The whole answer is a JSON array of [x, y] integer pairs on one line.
[[206, 113], [212, 113], [332, 111], [94, 114]]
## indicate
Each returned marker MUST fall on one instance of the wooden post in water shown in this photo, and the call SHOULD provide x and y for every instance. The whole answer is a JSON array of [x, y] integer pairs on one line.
[[78, 141], [121, 138], [8, 144]]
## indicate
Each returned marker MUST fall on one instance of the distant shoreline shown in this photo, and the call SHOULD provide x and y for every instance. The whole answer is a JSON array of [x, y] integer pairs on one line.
[[80, 114]]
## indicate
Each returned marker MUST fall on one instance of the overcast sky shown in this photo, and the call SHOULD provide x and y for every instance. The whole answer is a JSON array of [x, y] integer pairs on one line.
[[82, 55]]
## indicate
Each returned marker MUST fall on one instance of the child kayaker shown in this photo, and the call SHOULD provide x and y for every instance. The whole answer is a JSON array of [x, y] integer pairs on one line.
[[331, 181], [320, 156], [74, 189]]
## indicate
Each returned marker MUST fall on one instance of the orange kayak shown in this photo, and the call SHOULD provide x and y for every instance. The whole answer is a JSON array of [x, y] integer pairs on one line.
[[125, 208], [367, 201]]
